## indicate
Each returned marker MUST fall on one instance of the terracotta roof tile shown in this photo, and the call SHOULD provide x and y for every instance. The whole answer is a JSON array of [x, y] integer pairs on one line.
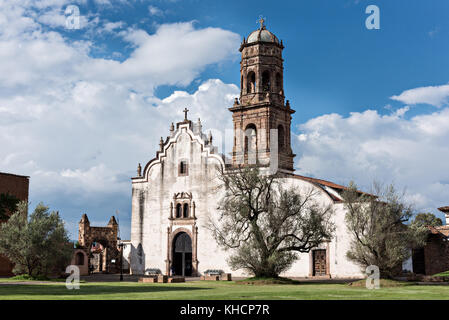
[[444, 230], [327, 184]]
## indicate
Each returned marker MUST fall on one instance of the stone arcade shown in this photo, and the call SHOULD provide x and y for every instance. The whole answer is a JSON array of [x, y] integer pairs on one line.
[[174, 194]]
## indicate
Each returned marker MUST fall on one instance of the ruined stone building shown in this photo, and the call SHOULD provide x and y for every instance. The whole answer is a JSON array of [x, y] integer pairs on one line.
[[174, 193], [17, 186], [97, 249]]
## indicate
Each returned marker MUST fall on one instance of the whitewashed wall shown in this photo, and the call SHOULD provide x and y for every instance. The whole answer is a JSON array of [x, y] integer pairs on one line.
[[153, 193]]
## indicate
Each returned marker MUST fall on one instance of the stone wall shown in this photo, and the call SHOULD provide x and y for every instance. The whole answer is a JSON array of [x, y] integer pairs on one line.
[[436, 255], [17, 186]]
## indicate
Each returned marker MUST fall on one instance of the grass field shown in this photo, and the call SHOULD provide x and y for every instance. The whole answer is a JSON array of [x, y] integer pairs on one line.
[[208, 290]]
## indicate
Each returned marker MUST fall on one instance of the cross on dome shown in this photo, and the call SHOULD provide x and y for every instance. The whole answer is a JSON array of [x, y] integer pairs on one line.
[[261, 21]]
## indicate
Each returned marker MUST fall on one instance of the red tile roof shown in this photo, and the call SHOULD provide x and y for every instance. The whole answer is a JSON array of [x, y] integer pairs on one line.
[[326, 183], [320, 181], [444, 230]]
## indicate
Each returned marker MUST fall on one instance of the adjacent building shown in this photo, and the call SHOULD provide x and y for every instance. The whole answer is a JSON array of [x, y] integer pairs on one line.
[[17, 186], [434, 256]]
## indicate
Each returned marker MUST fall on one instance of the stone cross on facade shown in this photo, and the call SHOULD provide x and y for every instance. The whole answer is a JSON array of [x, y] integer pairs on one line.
[[185, 113]]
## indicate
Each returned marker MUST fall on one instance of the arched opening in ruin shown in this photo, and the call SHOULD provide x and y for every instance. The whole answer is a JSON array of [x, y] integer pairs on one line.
[[79, 259]]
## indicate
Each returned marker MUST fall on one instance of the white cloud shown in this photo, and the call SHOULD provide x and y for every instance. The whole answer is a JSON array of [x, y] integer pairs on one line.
[[112, 26], [433, 32], [155, 11], [78, 125], [437, 96], [368, 146]]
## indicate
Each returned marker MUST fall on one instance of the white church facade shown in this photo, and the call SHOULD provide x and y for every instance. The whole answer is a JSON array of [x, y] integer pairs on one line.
[[175, 193]]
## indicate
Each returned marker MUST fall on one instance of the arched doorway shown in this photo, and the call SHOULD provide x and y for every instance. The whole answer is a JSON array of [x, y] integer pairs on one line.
[[79, 259], [98, 261], [182, 255]]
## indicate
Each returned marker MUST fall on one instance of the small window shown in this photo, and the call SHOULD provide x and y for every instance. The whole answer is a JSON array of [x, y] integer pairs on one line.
[[183, 168]]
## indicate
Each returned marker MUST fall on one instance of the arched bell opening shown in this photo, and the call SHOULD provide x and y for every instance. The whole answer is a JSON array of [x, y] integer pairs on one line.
[[251, 82], [266, 81]]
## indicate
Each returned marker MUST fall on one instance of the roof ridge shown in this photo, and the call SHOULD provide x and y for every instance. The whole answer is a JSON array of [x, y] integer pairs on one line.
[[13, 174]]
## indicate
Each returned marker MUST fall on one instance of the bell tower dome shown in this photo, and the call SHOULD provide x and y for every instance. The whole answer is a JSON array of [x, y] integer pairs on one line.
[[261, 107]]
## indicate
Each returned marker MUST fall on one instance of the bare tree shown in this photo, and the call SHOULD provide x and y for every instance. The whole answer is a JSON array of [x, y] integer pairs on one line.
[[266, 225], [377, 222]]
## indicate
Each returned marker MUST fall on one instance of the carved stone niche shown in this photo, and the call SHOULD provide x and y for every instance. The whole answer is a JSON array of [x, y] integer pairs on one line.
[[182, 208]]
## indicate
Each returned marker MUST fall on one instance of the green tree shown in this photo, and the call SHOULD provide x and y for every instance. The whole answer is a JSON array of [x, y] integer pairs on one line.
[[427, 219], [377, 222], [266, 225], [38, 245], [8, 205]]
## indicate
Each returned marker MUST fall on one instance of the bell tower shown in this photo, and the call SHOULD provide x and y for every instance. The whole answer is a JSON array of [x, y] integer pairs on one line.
[[261, 118]]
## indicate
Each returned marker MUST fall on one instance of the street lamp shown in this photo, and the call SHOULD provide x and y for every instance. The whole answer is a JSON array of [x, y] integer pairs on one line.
[[121, 260]]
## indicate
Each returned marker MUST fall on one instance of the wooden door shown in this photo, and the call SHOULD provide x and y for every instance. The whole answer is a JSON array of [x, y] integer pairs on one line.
[[319, 262], [182, 255]]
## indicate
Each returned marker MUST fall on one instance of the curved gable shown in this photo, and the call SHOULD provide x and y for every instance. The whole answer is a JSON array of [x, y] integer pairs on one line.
[[182, 135]]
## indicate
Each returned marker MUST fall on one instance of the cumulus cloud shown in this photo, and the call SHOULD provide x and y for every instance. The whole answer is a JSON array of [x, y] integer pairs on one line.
[[437, 96], [88, 148], [367, 146], [78, 125], [112, 26], [155, 11]]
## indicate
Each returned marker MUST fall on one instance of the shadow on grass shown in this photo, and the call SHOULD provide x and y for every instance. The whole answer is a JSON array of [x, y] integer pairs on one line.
[[289, 281], [58, 290]]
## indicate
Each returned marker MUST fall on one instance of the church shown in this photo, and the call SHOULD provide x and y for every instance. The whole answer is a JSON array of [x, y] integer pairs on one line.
[[174, 194]]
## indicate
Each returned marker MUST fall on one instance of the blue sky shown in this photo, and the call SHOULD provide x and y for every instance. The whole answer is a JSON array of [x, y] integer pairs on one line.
[[87, 105], [332, 62], [328, 48]]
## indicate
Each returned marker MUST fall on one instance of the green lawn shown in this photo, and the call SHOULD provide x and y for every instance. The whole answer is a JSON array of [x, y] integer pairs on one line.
[[203, 290], [442, 274]]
